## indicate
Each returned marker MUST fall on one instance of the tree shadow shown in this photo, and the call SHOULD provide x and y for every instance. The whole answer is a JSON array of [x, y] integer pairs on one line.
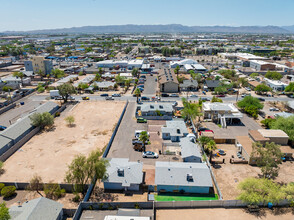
[[282, 210], [257, 214], [99, 196]]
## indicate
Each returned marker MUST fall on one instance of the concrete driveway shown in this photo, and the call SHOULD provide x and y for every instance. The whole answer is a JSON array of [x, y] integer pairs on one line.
[[150, 85]]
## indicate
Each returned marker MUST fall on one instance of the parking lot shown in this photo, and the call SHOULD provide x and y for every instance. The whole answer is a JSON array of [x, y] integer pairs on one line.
[[150, 85], [122, 145]]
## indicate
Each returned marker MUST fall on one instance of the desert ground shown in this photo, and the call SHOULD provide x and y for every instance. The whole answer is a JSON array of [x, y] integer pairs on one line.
[[221, 213], [228, 176], [49, 153]]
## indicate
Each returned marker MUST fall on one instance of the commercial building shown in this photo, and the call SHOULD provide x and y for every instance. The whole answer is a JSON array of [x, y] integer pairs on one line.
[[260, 65], [276, 84], [123, 175], [38, 64], [181, 63], [182, 177]]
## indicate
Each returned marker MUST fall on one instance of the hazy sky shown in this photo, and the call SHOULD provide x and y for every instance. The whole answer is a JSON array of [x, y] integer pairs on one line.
[[44, 14]]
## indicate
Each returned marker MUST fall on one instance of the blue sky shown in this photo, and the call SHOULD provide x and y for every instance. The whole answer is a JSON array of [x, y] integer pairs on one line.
[[45, 14]]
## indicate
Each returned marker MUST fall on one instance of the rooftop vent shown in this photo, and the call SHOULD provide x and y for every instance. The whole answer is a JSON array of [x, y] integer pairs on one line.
[[189, 177], [120, 172], [151, 106], [160, 106], [178, 131]]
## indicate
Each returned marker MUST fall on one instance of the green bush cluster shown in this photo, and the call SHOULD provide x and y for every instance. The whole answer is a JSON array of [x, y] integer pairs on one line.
[[53, 191], [8, 191]]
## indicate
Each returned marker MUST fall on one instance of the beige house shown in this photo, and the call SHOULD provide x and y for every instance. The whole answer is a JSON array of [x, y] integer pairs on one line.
[[168, 81]]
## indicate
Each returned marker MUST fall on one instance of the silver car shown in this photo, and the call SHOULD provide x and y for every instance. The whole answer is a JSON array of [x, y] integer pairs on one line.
[[149, 154]]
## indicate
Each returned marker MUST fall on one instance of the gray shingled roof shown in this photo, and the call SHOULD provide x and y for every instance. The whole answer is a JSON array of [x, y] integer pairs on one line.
[[189, 148], [173, 126], [41, 208], [131, 172], [175, 174], [212, 83], [104, 84], [189, 83]]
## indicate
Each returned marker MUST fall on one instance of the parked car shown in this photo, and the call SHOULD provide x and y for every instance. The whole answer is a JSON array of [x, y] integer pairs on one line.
[[145, 98], [116, 95], [274, 109], [205, 99], [221, 95], [193, 96], [109, 98], [248, 89], [204, 93], [141, 89], [85, 98], [221, 152], [261, 99], [71, 98], [141, 120], [58, 98], [174, 95], [2, 128], [104, 94], [149, 154], [164, 95]]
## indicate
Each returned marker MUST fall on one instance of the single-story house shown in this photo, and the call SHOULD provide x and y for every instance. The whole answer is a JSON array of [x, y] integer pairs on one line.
[[211, 84], [276, 85], [189, 85], [270, 135], [190, 151], [105, 85], [174, 130], [123, 175], [158, 109], [182, 177], [40, 208]]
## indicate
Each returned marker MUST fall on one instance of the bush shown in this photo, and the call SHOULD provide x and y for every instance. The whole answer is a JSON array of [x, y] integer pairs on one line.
[[41, 89], [53, 191], [8, 191], [77, 198], [2, 185], [57, 114]]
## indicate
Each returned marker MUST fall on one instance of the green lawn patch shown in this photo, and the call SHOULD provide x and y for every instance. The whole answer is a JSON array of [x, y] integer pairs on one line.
[[166, 197]]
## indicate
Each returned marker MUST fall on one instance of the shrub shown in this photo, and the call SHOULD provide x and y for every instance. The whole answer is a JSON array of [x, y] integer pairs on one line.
[[2, 185], [8, 191], [53, 191], [57, 114], [77, 198]]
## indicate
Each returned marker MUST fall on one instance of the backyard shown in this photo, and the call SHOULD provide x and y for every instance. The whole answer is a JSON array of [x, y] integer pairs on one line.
[[173, 197], [48, 153]]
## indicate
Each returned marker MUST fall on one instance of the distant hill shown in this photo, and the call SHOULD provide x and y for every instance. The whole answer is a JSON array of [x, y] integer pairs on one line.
[[170, 28]]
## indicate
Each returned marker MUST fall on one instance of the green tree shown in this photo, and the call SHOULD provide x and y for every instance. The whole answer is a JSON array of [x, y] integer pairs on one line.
[[255, 191], [290, 87], [42, 120], [221, 89], [273, 75], [57, 73], [83, 86], [209, 148], [243, 82], [204, 140], [41, 74], [191, 110], [268, 122], [97, 77], [6, 88], [70, 120], [268, 158], [84, 170], [286, 125], [4, 212], [66, 90], [135, 72], [250, 105], [215, 99], [144, 137], [137, 93], [262, 88], [19, 75], [254, 75]]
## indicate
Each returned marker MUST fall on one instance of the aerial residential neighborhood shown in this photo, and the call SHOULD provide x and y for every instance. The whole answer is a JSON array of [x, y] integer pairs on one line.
[[146, 122]]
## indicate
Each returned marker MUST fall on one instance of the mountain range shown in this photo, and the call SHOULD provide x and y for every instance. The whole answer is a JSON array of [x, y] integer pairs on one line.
[[170, 28]]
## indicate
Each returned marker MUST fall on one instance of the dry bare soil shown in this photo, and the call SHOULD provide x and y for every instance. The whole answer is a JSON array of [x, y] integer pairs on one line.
[[48, 153]]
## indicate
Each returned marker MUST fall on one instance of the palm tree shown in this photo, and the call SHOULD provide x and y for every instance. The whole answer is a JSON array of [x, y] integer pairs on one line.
[[137, 93], [177, 70], [19, 75], [144, 138], [191, 110], [210, 147]]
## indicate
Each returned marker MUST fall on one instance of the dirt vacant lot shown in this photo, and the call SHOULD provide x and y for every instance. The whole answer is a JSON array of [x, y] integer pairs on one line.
[[221, 213], [49, 153], [228, 176]]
